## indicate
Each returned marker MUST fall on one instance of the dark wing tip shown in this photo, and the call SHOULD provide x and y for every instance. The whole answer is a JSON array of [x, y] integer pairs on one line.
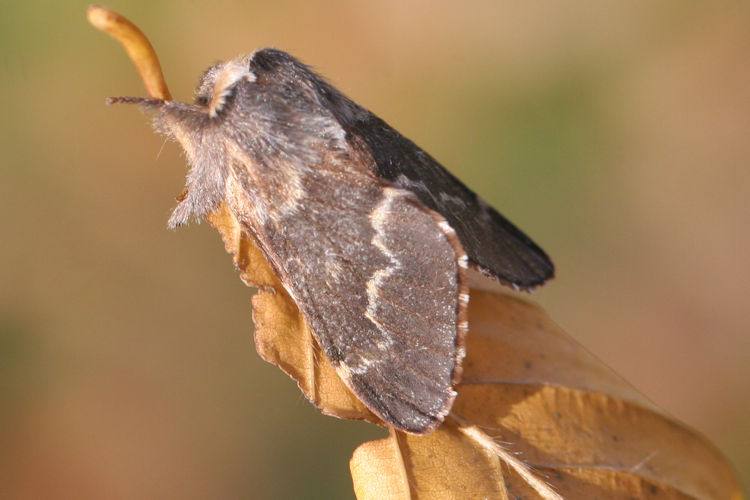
[[523, 275], [508, 255]]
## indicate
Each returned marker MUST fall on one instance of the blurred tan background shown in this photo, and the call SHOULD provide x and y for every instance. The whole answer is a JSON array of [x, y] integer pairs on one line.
[[617, 136]]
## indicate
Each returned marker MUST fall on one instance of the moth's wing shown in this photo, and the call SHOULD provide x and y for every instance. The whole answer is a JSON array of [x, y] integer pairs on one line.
[[379, 278], [494, 245]]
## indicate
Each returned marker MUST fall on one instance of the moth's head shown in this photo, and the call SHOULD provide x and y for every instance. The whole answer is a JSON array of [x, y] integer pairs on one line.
[[271, 72], [275, 81]]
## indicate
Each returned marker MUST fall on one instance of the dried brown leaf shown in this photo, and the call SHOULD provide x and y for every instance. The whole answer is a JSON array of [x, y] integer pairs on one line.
[[537, 397], [537, 416]]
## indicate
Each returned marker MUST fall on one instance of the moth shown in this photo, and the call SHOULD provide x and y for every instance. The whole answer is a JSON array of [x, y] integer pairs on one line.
[[370, 236]]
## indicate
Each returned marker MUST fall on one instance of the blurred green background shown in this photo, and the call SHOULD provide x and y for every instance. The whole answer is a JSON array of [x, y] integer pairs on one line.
[[616, 134]]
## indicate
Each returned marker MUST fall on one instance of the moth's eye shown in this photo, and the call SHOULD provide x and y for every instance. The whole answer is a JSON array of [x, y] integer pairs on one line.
[[201, 100]]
